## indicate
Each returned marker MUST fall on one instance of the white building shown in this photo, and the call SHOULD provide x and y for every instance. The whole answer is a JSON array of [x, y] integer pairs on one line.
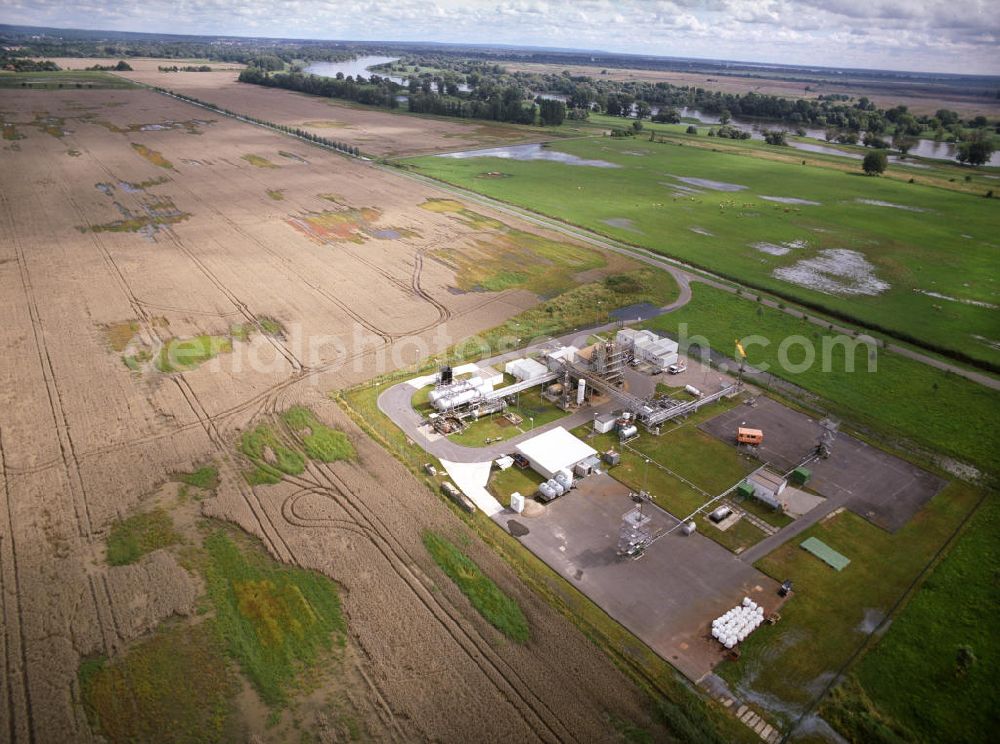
[[646, 346], [605, 423], [767, 486], [525, 369], [555, 450], [554, 359]]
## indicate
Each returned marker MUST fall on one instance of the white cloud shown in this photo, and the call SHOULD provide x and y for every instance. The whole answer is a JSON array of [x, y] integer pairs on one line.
[[939, 35]]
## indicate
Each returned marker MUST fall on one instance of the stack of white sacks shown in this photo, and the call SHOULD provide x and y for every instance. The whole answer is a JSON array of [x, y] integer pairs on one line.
[[738, 623]]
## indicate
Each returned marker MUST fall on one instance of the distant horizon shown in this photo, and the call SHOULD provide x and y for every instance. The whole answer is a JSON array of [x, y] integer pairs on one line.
[[514, 47], [918, 36]]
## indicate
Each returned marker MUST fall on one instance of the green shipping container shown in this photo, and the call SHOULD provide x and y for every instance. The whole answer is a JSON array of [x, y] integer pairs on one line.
[[744, 490], [801, 476]]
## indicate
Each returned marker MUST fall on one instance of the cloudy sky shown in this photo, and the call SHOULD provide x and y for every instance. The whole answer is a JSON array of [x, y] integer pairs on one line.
[[935, 35]]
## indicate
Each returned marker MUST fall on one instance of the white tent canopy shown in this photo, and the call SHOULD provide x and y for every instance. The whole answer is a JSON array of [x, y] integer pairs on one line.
[[555, 450]]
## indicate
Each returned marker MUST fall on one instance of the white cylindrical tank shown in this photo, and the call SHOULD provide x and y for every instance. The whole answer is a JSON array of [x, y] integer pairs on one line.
[[546, 492], [556, 486], [627, 432], [693, 390], [581, 390]]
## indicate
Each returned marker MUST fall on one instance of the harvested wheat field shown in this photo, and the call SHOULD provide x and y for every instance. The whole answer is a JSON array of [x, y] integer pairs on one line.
[[376, 132], [180, 294]]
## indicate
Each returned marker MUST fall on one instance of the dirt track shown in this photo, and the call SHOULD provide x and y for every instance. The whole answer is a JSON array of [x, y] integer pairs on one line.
[[83, 439]]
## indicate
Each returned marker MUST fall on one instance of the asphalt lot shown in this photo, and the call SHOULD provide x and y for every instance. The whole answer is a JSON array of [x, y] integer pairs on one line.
[[884, 489], [668, 597]]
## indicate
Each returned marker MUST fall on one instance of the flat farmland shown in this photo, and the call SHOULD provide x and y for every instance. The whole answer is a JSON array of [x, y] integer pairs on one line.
[[912, 259], [170, 284], [918, 98], [378, 132]]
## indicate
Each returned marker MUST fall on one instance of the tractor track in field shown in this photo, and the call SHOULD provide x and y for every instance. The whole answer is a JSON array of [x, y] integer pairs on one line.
[[325, 481], [20, 715], [67, 447]]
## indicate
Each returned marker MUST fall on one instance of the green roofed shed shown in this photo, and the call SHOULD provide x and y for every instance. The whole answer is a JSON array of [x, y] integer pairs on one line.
[[825, 553], [801, 476]]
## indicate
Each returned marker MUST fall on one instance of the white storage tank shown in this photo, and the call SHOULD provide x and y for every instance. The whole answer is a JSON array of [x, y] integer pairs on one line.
[[693, 390]]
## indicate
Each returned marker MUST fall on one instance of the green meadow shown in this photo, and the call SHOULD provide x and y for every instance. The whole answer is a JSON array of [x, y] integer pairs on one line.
[[937, 410], [916, 261]]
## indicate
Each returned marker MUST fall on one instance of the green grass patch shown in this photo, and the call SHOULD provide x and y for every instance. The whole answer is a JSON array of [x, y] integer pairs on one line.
[[276, 194], [138, 535], [175, 687], [275, 620], [530, 405], [57, 79], [937, 410], [153, 156], [940, 241], [259, 161], [319, 440], [270, 456], [578, 307], [823, 623], [501, 611], [271, 327], [503, 483], [205, 477], [181, 355], [918, 680]]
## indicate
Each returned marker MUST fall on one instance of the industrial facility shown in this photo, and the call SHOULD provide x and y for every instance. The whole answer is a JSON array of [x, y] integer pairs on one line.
[[569, 377]]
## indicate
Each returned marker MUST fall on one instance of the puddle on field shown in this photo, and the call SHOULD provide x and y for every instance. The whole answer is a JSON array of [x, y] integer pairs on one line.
[[707, 183], [949, 298], [790, 200], [680, 190], [836, 271], [779, 249], [348, 225], [154, 213], [870, 621], [701, 231], [622, 223], [529, 152], [891, 205]]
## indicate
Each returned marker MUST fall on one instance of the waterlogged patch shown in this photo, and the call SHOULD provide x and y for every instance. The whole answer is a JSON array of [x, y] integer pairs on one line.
[[701, 231], [835, 271], [292, 156], [949, 298], [346, 226], [191, 126], [154, 213], [707, 183], [891, 205], [779, 249], [622, 223], [790, 200], [529, 152]]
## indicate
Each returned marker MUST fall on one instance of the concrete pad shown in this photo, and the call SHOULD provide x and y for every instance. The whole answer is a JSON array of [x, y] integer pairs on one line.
[[880, 487], [798, 503], [669, 596], [471, 479]]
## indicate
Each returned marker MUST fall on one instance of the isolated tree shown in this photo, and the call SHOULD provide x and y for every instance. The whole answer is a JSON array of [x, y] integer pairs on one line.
[[977, 150], [642, 109], [903, 142], [692, 129], [875, 163]]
